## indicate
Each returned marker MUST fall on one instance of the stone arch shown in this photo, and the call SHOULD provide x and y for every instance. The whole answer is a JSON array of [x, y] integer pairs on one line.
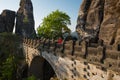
[[41, 68]]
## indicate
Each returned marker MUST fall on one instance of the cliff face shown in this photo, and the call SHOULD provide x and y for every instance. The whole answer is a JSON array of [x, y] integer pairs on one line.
[[101, 19], [110, 27], [25, 19], [7, 19]]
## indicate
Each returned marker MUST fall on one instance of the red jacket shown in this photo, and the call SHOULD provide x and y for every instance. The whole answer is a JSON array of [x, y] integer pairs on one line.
[[60, 41]]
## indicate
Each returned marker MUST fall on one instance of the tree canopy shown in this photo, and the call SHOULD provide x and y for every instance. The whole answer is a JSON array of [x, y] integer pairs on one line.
[[54, 25]]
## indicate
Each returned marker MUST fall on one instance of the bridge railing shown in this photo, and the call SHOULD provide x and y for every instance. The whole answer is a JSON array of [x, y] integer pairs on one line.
[[95, 53]]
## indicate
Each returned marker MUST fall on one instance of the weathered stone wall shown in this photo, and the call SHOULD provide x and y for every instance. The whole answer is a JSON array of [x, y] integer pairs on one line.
[[25, 19]]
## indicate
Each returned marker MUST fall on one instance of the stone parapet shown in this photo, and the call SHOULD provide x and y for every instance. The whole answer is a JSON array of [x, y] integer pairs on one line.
[[96, 54]]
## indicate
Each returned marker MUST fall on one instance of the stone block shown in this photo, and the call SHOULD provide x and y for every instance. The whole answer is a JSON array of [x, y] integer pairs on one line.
[[113, 54], [111, 63]]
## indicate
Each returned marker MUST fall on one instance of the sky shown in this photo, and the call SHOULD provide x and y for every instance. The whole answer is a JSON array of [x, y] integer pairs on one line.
[[42, 8]]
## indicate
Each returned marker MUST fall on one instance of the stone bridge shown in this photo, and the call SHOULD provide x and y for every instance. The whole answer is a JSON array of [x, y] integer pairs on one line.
[[72, 60]]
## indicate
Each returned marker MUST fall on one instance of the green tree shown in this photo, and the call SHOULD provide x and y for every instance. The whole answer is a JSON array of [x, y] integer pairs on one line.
[[54, 25]]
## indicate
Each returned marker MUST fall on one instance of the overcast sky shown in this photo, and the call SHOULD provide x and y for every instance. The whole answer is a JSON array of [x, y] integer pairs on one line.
[[44, 7]]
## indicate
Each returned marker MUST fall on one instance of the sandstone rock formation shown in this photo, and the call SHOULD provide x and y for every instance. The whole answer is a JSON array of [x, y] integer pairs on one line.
[[7, 19], [90, 17], [110, 28], [2, 25], [25, 19], [100, 19]]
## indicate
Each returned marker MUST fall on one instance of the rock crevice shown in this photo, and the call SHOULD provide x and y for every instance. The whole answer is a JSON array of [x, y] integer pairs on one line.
[[99, 20]]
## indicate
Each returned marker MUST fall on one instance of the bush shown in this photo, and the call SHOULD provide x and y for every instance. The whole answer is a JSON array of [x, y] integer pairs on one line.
[[9, 56]]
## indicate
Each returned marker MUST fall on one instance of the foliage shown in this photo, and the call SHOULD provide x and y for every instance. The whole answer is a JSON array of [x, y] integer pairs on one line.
[[31, 78], [25, 19], [54, 24], [8, 69], [9, 58]]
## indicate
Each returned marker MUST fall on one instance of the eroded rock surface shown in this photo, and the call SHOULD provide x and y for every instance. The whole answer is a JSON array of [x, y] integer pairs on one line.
[[90, 18], [110, 27], [7, 19], [100, 20], [25, 19], [2, 25]]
